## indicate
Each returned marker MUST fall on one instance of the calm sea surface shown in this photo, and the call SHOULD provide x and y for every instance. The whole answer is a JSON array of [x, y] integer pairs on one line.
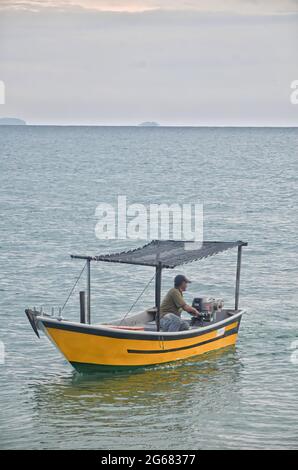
[[51, 180]]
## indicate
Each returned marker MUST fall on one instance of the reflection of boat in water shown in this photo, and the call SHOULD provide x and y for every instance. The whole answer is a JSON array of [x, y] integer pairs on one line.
[[141, 407], [185, 380], [137, 341]]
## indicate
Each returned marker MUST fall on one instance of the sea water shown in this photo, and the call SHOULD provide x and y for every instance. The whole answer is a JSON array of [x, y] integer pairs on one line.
[[51, 181]]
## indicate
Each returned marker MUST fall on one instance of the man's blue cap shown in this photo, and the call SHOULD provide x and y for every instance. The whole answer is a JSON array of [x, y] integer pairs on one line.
[[179, 279]]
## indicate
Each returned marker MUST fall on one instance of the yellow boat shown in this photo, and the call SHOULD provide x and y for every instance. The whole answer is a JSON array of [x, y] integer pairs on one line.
[[137, 341]]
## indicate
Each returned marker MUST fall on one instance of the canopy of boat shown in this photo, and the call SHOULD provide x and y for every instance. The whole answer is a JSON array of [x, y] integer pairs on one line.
[[166, 253]]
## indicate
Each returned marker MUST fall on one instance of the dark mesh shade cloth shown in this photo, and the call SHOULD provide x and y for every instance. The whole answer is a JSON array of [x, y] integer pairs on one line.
[[170, 253]]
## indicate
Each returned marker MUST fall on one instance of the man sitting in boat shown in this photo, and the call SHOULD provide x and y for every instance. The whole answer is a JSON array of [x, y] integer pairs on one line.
[[172, 306]]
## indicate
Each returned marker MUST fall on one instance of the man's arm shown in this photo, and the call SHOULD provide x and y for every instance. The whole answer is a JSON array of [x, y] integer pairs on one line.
[[191, 310], [180, 303]]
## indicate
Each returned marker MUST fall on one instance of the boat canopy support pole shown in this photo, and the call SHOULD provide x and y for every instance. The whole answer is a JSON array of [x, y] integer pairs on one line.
[[88, 291], [82, 307], [237, 288], [158, 293]]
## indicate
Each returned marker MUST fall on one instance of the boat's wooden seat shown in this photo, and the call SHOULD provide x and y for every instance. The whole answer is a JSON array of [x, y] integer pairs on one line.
[[138, 320], [151, 326]]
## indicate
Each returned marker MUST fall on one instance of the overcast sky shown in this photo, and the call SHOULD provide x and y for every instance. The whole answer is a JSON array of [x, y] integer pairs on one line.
[[123, 62]]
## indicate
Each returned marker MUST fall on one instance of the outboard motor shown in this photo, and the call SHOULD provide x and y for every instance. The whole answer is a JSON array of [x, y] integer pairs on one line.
[[207, 306]]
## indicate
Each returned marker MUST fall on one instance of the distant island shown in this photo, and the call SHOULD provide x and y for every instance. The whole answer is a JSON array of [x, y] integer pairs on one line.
[[149, 124], [12, 122]]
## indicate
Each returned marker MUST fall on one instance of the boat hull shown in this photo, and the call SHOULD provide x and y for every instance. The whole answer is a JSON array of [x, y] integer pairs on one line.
[[94, 348]]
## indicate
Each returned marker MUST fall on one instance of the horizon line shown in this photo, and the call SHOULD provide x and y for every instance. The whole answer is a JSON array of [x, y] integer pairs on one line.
[[156, 126]]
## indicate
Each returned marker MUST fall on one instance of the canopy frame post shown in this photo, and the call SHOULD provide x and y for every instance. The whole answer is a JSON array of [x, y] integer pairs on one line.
[[88, 291], [82, 307], [158, 271], [237, 287]]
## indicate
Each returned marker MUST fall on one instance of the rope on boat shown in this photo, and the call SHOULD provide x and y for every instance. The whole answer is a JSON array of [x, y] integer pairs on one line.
[[73, 288], [136, 301]]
